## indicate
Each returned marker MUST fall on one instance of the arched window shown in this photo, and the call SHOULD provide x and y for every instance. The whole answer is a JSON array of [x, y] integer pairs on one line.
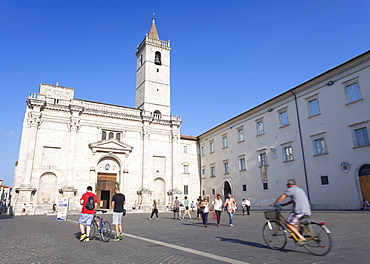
[[103, 135], [157, 58], [157, 114], [364, 170], [111, 135]]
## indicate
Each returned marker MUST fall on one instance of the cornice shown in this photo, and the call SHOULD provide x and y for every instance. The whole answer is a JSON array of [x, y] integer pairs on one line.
[[111, 146]]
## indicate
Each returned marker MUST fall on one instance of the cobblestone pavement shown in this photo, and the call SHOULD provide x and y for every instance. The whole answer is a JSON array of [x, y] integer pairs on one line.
[[42, 239]]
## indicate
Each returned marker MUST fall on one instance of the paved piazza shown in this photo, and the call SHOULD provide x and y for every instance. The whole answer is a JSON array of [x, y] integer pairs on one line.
[[42, 239]]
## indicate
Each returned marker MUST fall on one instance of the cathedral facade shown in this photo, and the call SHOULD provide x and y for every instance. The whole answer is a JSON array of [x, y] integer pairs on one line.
[[68, 144]]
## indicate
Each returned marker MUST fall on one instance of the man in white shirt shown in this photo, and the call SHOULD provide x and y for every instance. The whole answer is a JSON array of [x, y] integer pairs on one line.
[[248, 205]]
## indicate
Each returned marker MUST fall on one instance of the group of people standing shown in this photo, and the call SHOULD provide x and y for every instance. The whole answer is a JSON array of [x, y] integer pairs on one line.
[[89, 205], [204, 207]]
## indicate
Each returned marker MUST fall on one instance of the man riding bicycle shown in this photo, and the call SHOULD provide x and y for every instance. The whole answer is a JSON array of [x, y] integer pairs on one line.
[[301, 207]]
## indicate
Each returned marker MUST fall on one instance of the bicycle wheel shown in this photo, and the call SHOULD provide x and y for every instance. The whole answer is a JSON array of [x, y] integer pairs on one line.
[[106, 231], [275, 234], [318, 239], [93, 230]]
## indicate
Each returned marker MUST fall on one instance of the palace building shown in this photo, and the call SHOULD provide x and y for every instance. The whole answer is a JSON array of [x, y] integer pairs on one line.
[[316, 133]]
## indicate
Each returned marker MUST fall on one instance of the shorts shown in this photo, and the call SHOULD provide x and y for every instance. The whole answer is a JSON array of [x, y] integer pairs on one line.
[[117, 218], [85, 219], [175, 210], [294, 218]]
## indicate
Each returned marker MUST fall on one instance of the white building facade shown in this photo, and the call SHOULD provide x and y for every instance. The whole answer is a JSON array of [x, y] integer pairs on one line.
[[316, 133], [68, 144]]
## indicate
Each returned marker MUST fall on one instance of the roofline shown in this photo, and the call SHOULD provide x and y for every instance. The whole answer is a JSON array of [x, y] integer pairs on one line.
[[290, 90], [188, 137], [107, 104]]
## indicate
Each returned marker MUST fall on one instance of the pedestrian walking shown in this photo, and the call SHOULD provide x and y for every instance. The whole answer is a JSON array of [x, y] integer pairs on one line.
[[248, 205], [186, 209], [199, 209], [231, 207], [118, 203], [54, 207], [243, 207], [205, 206], [154, 210], [89, 203], [176, 208], [192, 205], [218, 208]]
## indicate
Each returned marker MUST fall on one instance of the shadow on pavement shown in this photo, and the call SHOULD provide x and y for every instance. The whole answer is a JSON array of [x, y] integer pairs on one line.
[[247, 243], [6, 216], [254, 244]]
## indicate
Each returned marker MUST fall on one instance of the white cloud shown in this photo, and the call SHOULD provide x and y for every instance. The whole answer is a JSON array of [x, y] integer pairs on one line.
[[9, 133]]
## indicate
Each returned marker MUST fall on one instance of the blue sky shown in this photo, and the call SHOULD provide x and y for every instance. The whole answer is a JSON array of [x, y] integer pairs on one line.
[[227, 56]]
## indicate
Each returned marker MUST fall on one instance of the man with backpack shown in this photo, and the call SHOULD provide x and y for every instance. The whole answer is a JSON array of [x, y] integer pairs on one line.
[[89, 204]]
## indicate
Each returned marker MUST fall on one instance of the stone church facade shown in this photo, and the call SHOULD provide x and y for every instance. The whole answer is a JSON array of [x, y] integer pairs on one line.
[[68, 143]]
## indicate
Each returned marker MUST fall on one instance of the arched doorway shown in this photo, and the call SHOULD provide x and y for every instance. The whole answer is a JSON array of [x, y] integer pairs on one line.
[[364, 176], [159, 191], [108, 172], [227, 189], [47, 191]]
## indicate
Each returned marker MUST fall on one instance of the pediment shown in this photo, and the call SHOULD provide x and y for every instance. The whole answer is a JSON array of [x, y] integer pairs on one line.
[[110, 146]]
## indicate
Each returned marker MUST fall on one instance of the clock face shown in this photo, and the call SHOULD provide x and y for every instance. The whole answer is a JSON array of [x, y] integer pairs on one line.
[[107, 166]]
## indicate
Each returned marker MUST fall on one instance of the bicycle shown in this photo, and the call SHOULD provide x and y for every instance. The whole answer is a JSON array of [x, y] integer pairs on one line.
[[275, 233], [101, 226]]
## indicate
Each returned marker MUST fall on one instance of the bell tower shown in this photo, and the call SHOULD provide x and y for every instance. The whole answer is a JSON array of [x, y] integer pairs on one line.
[[153, 74]]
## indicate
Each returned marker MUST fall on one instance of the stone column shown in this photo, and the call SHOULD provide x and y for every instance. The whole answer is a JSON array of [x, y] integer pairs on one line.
[[147, 118], [73, 126], [174, 140], [34, 121]]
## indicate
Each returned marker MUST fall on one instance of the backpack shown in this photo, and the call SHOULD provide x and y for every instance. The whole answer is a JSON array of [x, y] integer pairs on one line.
[[90, 203]]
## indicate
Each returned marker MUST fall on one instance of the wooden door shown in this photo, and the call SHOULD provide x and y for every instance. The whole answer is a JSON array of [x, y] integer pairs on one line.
[[105, 189], [365, 186]]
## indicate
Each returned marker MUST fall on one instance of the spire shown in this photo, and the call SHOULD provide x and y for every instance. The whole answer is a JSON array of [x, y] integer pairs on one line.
[[153, 33]]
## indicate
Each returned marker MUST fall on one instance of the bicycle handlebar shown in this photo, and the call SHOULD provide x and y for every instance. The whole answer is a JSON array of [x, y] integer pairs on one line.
[[278, 206], [103, 211]]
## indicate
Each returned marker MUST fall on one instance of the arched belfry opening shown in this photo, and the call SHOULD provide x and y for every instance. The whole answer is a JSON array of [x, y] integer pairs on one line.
[[157, 114], [364, 177], [158, 58]]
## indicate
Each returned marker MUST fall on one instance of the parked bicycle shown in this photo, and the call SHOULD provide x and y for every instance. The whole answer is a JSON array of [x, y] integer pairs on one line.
[[101, 227], [275, 233]]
